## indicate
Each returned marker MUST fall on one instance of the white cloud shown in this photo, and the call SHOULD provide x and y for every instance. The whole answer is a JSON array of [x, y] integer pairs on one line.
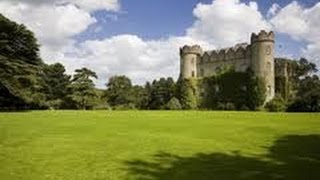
[[88, 5], [225, 22], [302, 24], [55, 22], [130, 55], [273, 10], [146, 60]]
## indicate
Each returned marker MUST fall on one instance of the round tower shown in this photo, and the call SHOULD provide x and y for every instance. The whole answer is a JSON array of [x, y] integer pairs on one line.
[[262, 60], [189, 56]]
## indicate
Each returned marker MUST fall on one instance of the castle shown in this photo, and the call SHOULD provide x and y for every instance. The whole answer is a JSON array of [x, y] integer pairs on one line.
[[257, 56]]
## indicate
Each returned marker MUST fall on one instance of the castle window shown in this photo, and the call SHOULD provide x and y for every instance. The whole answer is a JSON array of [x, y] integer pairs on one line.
[[201, 72], [192, 61], [192, 73]]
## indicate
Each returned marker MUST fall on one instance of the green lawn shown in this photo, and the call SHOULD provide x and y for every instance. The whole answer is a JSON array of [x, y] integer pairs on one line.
[[158, 145]]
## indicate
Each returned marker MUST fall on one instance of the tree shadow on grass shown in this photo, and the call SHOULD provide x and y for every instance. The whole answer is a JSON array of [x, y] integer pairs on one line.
[[291, 157]]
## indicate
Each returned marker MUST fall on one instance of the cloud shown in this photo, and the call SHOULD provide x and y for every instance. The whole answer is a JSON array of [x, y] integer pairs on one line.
[[301, 24], [273, 10], [55, 22], [145, 60], [225, 23], [88, 5], [130, 55], [218, 24]]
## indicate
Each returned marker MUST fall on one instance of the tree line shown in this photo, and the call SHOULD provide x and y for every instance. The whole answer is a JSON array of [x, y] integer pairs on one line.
[[26, 82]]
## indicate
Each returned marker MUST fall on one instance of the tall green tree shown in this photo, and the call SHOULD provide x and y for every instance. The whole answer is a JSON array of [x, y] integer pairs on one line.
[[56, 86], [83, 88], [120, 91], [161, 92], [20, 66], [308, 96]]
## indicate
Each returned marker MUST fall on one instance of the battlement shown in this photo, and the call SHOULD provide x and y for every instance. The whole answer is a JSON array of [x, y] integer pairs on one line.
[[195, 49], [262, 36], [258, 55], [236, 52]]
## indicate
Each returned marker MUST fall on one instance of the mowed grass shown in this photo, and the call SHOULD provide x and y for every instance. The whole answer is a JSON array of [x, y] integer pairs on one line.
[[159, 145]]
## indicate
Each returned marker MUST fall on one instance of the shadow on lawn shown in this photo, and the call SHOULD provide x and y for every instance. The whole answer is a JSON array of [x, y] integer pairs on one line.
[[291, 157]]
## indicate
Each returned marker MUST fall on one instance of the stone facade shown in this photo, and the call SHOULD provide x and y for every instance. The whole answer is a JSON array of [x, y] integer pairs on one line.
[[258, 56]]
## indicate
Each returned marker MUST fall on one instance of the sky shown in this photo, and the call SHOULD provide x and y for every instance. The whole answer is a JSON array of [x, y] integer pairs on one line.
[[141, 38]]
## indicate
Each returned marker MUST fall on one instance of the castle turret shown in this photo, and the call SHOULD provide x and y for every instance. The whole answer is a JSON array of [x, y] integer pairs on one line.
[[189, 55], [262, 60]]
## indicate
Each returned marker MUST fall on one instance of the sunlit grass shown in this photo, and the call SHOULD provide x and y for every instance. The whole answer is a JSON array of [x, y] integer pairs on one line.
[[99, 144]]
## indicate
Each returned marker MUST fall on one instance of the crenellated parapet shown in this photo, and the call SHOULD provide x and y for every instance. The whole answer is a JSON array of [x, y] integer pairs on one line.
[[257, 56], [195, 49], [262, 36], [238, 51]]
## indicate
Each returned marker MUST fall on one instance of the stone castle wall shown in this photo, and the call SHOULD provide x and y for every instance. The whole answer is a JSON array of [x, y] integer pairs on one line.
[[211, 62], [258, 56]]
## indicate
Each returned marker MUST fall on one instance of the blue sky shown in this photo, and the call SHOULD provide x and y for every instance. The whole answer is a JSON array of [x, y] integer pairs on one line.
[[156, 19], [141, 38], [159, 19]]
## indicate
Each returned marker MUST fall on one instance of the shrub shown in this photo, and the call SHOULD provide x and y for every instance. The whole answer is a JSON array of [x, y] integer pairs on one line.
[[173, 104], [277, 104]]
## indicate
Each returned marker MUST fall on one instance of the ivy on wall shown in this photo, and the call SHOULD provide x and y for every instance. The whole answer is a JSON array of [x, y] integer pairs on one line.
[[232, 90]]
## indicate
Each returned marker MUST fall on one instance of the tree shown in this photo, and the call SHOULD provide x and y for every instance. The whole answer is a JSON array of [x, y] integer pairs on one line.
[[140, 97], [119, 91], [83, 89], [161, 92], [20, 67], [18, 43], [56, 86], [174, 104], [308, 96], [277, 104], [296, 70]]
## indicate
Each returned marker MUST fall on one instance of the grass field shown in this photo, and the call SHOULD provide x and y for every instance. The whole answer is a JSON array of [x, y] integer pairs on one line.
[[158, 145]]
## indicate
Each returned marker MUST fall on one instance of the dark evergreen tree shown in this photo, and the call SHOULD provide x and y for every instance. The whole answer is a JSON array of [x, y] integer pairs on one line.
[[20, 67], [83, 89], [56, 86]]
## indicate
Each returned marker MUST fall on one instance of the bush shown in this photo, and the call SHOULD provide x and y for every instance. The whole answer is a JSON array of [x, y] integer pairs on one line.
[[173, 104], [277, 104], [129, 106]]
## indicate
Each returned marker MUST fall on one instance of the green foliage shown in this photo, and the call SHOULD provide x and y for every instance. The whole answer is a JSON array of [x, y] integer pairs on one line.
[[83, 92], [232, 90], [277, 104], [188, 93], [173, 104], [308, 96], [20, 67], [295, 70], [119, 91], [299, 89], [17, 42], [56, 86], [161, 91]]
